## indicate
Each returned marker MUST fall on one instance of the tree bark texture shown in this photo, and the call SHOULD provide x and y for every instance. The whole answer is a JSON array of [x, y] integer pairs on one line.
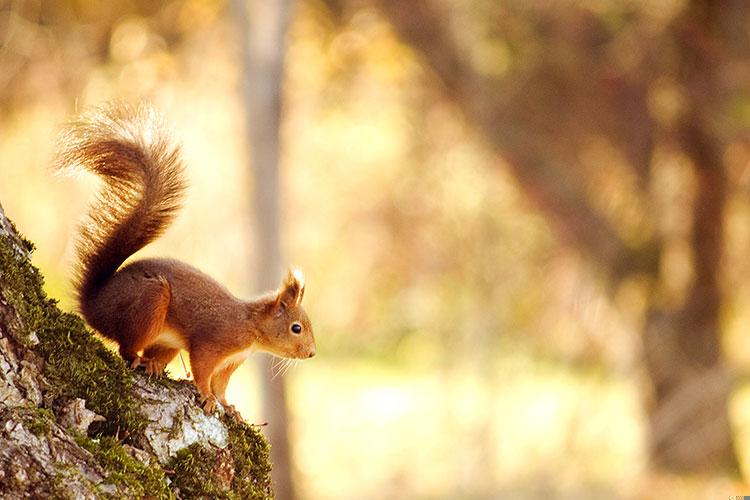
[[75, 422]]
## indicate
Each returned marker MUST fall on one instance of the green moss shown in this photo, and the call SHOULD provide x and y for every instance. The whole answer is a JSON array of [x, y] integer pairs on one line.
[[194, 466], [29, 246], [252, 464], [76, 363], [40, 421], [37, 420], [26, 294], [133, 478], [193, 475], [80, 366]]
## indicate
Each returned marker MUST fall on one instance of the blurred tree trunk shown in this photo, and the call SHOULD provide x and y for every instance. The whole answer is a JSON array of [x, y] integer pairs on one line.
[[533, 126], [262, 28], [690, 428]]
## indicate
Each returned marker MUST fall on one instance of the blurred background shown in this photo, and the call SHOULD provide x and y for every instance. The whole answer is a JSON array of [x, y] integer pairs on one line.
[[524, 224]]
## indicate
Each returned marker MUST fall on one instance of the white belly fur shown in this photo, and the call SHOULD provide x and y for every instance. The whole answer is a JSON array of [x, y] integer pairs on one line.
[[170, 338], [239, 357]]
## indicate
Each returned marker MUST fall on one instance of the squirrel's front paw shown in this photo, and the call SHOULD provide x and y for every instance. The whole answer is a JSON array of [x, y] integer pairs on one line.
[[209, 405], [232, 412]]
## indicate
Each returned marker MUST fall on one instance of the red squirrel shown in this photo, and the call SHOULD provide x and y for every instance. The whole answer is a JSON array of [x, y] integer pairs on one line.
[[154, 307]]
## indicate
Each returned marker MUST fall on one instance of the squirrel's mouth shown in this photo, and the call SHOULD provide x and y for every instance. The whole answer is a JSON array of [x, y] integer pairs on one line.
[[298, 352], [304, 352]]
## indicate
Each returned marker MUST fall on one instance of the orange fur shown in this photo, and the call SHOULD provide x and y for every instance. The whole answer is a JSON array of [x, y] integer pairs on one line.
[[158, 306]]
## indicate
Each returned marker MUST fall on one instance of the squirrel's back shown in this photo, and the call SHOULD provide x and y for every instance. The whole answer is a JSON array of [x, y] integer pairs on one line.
[[129, 147]]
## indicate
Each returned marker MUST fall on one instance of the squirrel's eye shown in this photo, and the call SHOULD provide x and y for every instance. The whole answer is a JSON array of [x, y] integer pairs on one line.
[[296, 328]]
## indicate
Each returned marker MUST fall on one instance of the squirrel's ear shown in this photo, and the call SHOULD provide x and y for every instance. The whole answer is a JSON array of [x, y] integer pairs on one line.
[[292, 289]]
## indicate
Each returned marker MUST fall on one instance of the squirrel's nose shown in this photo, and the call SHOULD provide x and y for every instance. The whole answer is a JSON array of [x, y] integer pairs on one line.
[[312, 353]]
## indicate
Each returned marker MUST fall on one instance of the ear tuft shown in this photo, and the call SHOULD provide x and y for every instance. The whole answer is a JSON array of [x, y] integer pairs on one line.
[[296, 273], [293, 288]]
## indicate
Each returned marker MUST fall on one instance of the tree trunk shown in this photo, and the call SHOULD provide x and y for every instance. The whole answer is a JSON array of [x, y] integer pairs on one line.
[[690, 428], [688, 422], [75, 422], [262, 44]]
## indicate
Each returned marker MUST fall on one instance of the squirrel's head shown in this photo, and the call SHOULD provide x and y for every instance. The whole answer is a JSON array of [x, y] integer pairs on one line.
[[285, 325]]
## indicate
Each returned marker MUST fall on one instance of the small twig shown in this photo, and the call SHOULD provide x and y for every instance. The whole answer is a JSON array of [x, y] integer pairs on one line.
[[184, 367]]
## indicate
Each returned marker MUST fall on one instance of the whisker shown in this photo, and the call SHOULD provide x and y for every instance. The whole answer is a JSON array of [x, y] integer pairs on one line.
[[279, 368], [288, 363], [282, 369], [275, 367], [277, 362]]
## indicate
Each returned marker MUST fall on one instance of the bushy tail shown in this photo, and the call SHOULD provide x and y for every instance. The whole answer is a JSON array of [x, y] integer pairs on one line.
[[129, 147]]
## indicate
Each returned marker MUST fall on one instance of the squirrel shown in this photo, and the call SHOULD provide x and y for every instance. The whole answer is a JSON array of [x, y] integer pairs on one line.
[[154, 307]]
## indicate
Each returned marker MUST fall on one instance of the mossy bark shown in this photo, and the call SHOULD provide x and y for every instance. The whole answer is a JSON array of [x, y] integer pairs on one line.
[[75, 422]]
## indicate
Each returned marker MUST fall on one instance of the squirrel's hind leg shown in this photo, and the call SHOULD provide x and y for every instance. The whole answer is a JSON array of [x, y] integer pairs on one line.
[[146, 320], [156, 358]]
